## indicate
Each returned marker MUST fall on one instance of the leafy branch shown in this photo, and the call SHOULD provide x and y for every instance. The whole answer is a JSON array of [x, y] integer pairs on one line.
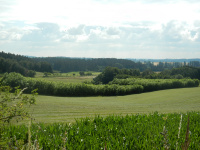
[[13, 105]]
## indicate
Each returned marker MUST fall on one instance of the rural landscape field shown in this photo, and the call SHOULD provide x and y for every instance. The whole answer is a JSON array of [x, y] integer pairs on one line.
[[99, 75], [113, 108]]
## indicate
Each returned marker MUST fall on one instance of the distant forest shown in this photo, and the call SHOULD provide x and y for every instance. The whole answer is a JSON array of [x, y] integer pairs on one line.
[[27, 66], [23, 65]]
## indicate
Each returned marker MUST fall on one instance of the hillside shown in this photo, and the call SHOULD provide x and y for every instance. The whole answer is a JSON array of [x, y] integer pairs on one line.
[[22, 64], [51, 109]]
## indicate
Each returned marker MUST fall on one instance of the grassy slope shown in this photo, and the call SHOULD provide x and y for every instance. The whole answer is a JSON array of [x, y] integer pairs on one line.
[[64, 109]]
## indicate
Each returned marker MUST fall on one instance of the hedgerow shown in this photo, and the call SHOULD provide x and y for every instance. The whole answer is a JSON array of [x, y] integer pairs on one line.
[[157, 84], [115, 87]]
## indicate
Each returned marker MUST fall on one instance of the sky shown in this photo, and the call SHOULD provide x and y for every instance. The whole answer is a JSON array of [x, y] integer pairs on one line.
[[141, 29]]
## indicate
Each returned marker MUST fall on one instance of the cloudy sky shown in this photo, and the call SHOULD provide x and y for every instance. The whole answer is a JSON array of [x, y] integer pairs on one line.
[[101, 28]]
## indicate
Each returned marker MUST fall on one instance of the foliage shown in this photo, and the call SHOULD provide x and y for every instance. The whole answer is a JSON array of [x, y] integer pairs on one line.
[[13, 80], [88, 73], [109, 73], [115, 87], [46, 74], [147, 72], [190, 72], [122, 76], [65, 64], [157, 84], [21, 64], [153, 131], [31, 73], [82, 73], [177, 73], [13, 106]]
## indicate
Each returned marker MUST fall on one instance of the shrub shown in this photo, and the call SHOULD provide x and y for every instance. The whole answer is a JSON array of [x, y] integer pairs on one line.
[[115, 87], [13, 80], [177, 84]]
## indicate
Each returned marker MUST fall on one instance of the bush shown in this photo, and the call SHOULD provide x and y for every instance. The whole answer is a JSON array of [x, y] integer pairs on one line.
[[115, 87], [13, 80], [157, 84], [30, 73], [82, 73], [177, 84]]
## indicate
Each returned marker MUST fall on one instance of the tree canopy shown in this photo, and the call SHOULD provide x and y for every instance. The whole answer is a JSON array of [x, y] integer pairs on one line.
[[21, 64]]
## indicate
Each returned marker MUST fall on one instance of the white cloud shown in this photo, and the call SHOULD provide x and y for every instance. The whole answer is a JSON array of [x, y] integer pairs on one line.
[[102, 13], [76, 30], [101, 28]]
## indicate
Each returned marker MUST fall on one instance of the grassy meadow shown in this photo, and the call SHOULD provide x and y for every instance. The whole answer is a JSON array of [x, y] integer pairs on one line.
[[71, 77], [50, 109]]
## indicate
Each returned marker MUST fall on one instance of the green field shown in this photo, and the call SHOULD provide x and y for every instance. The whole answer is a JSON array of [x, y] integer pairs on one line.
[[58, 128], [152, 131], [51, 109], [71, 77]]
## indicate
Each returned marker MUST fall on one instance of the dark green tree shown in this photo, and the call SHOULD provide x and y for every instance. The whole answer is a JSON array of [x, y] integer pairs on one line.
[[82, 73], [107, 75]]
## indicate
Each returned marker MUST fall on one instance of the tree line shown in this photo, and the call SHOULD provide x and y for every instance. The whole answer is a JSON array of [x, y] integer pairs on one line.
[[27, 66], [23, 65], [110, 73], [64, 64]]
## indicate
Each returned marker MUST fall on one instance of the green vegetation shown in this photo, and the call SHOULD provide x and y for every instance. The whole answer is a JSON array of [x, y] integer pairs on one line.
[[141, 131], [13, 106], [64, 64], [114, 132], [161, 119], [70, 77], [21, 64], [177, 73], [153, 131], [116, 87], [110, 73], [50, 109], [27, 66], [75, 79], [157, 84]]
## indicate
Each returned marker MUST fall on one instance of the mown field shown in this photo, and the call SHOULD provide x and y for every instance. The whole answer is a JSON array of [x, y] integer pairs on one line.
[[71, 77], [51, 109]]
